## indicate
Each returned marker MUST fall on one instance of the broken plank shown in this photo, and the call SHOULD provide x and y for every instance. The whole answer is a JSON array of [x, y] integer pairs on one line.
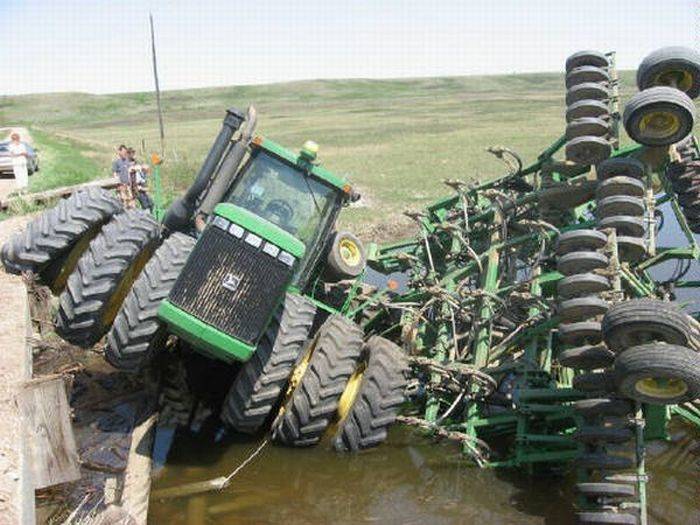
[[53, 456], [56, 193]]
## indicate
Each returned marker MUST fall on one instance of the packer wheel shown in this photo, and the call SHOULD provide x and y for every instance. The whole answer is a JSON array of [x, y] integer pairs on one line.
[[587, 150], [631, 249], [586, 74], [625, 166], [586, 332], [587, 58], [582, 284], [658, 374], [640, 321], [579, 240], [587, 91], [588, 126], [595, 382], [677, 67], [606, 518], [589, 357], [619, 205], [603, 461], [602, 407], [587, 109], [581, 308], [624, 225], [581, 262], [606, 490], [620, 185], [604, 434], [659, 116]]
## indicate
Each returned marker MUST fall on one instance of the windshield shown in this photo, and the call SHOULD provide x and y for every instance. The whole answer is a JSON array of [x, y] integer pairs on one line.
[[283, 195]]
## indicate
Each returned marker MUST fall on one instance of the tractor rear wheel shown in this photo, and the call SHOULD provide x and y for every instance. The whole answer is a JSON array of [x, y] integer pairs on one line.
[[659, 116], [261, 381], [52, 243], [137, 334], [373, 397], [317, 383], [104, 275], [658, 374]]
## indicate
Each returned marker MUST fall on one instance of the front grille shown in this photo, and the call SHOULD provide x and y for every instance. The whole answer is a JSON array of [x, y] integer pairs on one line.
[[232, 282]]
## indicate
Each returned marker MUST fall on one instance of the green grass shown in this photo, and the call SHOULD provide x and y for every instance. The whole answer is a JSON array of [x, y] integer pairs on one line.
[[396, 140]]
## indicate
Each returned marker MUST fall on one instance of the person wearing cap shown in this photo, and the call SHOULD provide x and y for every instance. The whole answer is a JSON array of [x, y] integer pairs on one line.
[[19, 154]]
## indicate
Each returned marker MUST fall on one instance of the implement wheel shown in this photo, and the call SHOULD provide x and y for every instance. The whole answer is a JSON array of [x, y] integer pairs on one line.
[[606, 490], [137, 333], [581, 262], [584, 74], [576, 240], [587, 357], [104, 275], [373, 397], [317, 383], [602, 407], [587, 58], [346, 256], [262, 380], [587, 109], [620, 166], [640, 321], [606, 518], [52, 243], [587, 126], [677, 67], [659, 116], [587, 91], [587, 150], [658, 374]]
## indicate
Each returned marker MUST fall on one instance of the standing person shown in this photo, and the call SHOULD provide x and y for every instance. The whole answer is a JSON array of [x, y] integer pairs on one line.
[[120, 170], [139, 186], [19, 161]]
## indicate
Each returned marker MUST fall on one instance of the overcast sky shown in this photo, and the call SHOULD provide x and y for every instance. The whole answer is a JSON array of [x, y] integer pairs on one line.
[[102, 46]]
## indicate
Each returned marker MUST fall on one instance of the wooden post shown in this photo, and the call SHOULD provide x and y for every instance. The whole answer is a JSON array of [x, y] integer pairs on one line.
[[43, 405]]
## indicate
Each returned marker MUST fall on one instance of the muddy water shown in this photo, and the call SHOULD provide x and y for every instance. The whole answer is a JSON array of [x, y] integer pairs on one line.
[[410, 479], [407, 480]]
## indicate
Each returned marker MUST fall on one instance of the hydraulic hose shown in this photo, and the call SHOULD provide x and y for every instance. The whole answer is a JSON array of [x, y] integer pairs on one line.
[[180, 212]]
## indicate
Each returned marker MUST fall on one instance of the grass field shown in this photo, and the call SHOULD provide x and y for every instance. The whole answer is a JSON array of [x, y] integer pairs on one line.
[[395, 139]]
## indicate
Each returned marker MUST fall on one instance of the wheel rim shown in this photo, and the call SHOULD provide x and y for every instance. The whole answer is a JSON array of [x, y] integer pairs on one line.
[[661, 387], [297, 375], [59, 283], [347, 399], [659, 124], [349, 252], [678, 78]]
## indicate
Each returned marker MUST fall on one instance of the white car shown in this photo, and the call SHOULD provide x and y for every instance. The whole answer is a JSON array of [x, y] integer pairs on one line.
[[6, 159]]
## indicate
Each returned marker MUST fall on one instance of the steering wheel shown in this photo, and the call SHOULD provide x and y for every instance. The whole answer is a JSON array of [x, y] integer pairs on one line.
[[281, 209]]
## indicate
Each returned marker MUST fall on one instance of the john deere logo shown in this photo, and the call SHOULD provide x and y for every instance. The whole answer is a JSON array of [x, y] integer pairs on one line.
[[231, 282]]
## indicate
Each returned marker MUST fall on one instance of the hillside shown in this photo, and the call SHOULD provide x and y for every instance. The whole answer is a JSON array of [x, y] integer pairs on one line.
[[395, 139]]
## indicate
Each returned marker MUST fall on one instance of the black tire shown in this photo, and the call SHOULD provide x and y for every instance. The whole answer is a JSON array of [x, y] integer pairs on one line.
[[587, 109], [625, 166], [586, 332], [312, 403], [581, 262], [631, 249], [587, 150], [54, 237], [619, 205], [592, 127], [579, 240], [378, 398], [606, 518], [620, 185], [674, 66], [584, 74], [640, 321], [675, 116], [636, 367], [606, 490], [595, 382], [624, 225], [589, 357], [582, 284], [262, 380], [602, 461], [602, 407], [603, 434], [581, 308], [137, 334], [346, 256], [587, 91], [104, 275], [587, 58]]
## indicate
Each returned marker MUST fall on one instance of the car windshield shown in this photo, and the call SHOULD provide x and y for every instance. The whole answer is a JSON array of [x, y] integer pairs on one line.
[[283, 195]]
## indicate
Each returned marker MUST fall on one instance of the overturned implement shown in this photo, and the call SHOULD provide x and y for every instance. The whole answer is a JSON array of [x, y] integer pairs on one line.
[[528, 320]]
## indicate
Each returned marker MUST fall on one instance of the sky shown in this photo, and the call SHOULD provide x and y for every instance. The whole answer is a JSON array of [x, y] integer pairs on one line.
[[103, 46]]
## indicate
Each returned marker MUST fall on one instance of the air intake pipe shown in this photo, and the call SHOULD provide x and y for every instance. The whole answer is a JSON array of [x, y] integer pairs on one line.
[[229, 166], [180, 212]]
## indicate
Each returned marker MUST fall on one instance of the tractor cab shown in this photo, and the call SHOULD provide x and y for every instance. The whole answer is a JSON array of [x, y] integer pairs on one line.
[[266, 236]]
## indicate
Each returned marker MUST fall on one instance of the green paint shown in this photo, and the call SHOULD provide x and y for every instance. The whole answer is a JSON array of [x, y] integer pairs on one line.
[[261, 227], [204, 337]]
